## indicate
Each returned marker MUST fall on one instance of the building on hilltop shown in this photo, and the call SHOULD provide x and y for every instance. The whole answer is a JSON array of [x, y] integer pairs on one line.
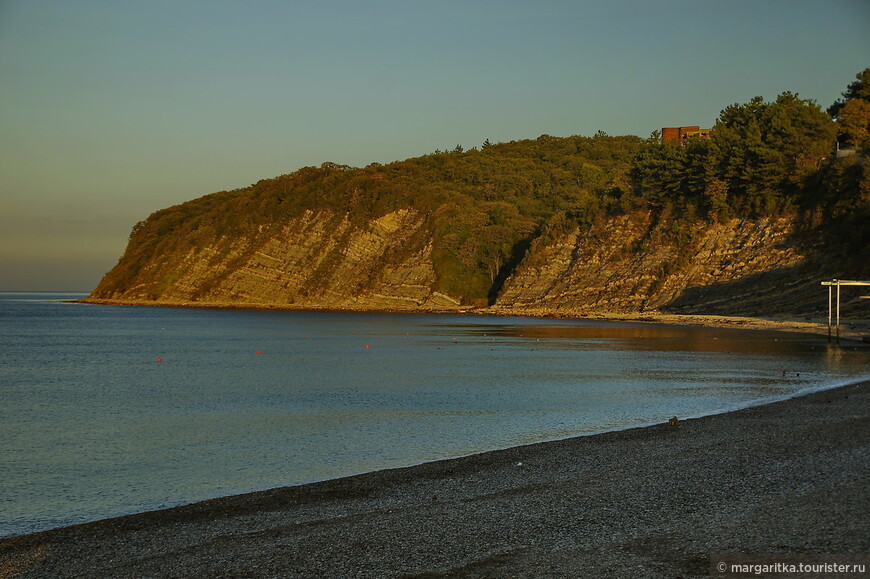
[[681, 134]]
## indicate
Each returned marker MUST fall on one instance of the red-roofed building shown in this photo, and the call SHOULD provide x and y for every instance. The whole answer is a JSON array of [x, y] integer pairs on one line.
[[680, 134]]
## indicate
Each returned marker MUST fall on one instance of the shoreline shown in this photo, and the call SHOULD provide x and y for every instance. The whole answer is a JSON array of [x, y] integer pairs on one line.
[[785, 477], [850, 329]]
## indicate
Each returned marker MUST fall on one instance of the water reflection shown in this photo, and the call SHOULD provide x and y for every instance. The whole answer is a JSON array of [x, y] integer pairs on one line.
[[640, 337]]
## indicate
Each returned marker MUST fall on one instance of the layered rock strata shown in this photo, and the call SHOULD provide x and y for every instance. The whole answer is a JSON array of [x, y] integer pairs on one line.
[[627, 264], [316, 260]]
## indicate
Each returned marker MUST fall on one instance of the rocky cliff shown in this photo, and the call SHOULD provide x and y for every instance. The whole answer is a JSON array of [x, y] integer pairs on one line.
[[627, 264], [623, 264], [317, 260]]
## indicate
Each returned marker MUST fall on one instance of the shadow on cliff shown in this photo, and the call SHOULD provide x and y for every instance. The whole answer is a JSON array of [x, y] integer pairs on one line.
[[782, 291], [518, 253], [834, 251]]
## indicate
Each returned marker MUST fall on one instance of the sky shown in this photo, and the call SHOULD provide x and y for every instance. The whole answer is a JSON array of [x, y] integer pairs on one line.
[[112, 110]]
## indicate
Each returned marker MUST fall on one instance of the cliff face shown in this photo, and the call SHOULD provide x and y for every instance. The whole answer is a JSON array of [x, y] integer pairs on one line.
[[627, 265], [316, 260], [622, 264]]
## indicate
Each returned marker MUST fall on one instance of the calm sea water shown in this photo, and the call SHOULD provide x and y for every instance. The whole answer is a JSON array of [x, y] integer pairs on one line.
[[92, 425]]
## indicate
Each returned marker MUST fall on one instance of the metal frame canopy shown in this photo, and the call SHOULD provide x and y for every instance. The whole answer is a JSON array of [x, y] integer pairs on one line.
[[838, 283]]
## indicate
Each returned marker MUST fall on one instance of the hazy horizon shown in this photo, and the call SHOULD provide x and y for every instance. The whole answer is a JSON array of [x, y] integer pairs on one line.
[[111, 111]]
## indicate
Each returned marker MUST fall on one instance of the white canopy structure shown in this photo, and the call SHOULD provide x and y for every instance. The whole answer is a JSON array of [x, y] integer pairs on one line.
[[831, 284]]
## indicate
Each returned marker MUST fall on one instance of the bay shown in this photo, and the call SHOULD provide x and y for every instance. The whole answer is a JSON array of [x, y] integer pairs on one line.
[[110, 410]]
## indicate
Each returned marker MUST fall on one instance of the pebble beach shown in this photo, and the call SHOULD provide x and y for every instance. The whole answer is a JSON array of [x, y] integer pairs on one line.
[[783, 478]]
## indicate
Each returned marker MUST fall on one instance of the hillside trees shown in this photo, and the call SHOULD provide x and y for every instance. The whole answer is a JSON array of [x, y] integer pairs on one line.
[[766, 151], [852, 113], [859, 89], [756, 161], [854, 124]]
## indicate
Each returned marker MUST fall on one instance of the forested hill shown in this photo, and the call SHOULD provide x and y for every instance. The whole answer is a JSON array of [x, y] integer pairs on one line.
[[577, 222], [480, 209]]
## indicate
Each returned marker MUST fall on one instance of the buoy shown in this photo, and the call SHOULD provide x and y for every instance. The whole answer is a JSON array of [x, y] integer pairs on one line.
[[259, 352], [159, 359], [367, 346]]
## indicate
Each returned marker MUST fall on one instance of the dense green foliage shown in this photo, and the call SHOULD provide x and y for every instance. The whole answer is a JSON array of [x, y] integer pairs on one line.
[[757, 161], [859, 89], [852, 113]]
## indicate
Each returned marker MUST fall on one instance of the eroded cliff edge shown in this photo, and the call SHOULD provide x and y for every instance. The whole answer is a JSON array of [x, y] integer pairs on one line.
[[758, 267], [752, 267], [318, 260]]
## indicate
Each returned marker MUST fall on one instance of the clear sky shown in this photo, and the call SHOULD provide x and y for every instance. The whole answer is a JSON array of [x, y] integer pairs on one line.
[[111, 110]]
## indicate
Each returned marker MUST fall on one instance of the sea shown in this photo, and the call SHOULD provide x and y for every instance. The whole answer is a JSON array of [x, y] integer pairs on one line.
[[112, 410]]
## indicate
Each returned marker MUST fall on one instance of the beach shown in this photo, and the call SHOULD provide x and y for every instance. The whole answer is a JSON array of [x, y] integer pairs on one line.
[[783, 478]]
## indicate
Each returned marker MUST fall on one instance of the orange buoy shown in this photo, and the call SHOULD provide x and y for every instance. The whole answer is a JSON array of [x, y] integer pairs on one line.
[[159, 359]]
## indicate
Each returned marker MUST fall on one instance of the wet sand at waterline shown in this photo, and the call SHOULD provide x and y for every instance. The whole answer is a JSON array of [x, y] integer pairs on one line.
[[788, 478]]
